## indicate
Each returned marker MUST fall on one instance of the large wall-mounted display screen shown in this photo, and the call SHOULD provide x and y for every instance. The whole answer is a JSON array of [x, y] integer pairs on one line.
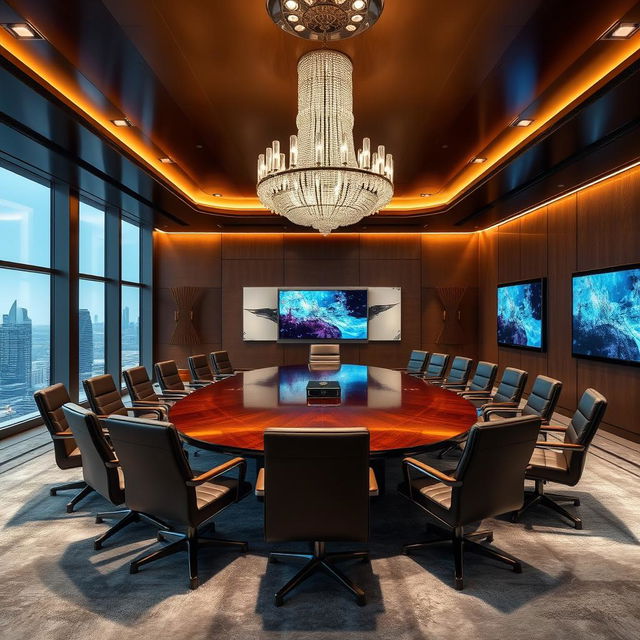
[[521, 314], [322, 314], [606, 314]]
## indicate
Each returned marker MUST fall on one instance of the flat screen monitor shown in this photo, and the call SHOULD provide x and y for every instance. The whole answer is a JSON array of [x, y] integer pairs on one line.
[[521, 314], [606, 314], [322, 314]]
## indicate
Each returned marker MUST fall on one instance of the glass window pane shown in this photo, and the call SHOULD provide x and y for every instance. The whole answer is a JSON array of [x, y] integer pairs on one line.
[[130, 327], [91, 240], [130, 243], [90, 331], [25, 220], [25, 341]]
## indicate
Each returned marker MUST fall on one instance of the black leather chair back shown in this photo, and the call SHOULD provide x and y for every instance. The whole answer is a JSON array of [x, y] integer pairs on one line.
[[583, 428], [168, 376], [103, 396], [438, 363], [220, 362], [138, 384], [49, 402], [511, 386], [199, 368], [155, 468], [492, 468], [417, 361], [316, 484], [543, 398], [460, 370], [484, 376], [99, 467]]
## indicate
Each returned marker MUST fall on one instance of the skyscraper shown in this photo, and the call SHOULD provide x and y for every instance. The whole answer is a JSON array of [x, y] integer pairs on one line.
[[85, 352], [15, 347], [125, 318]]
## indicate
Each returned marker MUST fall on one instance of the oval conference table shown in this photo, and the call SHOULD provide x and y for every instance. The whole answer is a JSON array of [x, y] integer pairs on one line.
[[403, 413]]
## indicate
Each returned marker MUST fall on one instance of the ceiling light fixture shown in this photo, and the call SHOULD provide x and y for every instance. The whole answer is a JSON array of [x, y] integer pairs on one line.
[[326, 183], [22, 31], [521, 122], [122, 122], [621, 31], [477, 160], [166, 160], [425, 195], [217, 195], [325, 20]]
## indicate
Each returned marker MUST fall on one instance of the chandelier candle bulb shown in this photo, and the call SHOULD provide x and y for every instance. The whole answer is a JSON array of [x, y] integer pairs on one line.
[[269, 159], [282, 163], [388, 167], [293, 151], [261, 167], [374, 162], [366, 153]]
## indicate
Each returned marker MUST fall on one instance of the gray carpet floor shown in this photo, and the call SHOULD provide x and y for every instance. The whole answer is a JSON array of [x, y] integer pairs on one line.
[[575, 584]]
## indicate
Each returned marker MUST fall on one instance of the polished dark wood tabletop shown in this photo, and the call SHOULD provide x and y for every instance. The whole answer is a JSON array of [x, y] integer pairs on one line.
[[402, 413]]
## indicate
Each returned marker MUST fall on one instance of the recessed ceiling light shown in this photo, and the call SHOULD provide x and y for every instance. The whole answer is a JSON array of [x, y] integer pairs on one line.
[[425, 195], [23, 31], [521, 122], [357, 18], [292, 5], [217, 195], [351, 27], [478, 160], [358, 5], [166, 160], [299, 27], [621, 31], [292, 17], [122, 122]]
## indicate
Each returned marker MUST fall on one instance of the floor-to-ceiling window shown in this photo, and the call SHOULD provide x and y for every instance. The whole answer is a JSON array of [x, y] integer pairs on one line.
[[25, 292], [74, 290]]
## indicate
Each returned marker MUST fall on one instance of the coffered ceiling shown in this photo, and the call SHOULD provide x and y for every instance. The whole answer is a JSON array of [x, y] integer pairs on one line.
[[209, 83]]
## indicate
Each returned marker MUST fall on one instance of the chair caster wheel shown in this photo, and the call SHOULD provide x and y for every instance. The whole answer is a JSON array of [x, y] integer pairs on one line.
[[273, 560], [99, 520], [576, 502], [97, 546], [459, 585], [53, 492], [133, 569], [366, 560], [579, 525], [514, 517], [517, 568], [160, 537], [278, 601], [244, 548], [69, 508], [361, 601], [194, 583]]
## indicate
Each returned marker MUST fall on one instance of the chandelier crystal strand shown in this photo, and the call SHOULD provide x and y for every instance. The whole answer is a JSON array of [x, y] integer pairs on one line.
[[325, 184]]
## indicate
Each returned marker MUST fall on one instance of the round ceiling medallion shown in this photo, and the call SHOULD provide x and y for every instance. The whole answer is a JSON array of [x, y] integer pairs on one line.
[[324, 20]]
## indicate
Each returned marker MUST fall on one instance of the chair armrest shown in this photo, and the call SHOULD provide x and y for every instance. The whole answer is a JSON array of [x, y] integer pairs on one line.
[[455, 385], [161, 413], [373, 484], [554, 427], [202, 383], [477, 395], [570, 446], [241, 369], [151, 403], [194, 385], [436, 474], [492, 409], [112, 464], [62, 435], [221, 469]]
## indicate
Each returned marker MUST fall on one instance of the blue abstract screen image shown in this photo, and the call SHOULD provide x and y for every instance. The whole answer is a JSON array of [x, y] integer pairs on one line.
[[606, 315], [329, 314], [521, 315]]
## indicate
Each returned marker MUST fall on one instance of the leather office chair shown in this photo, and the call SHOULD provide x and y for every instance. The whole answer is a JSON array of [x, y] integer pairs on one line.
[[316, 485], [67, 455], [563, 462], [199, 369], [487, 482], [160, 481], [483, 379], [221, 364], [541, 402], [417, 362], [324, 354], [141, 389], [104, 399], [508, 395], [101, 469], [437, 366], [169, 379], [458, 374]]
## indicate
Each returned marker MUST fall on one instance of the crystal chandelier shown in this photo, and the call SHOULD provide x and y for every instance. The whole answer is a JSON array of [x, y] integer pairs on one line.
[[326, 183]]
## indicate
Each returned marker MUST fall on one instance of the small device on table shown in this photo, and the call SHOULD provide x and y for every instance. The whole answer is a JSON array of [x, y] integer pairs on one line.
[[323, 391]]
